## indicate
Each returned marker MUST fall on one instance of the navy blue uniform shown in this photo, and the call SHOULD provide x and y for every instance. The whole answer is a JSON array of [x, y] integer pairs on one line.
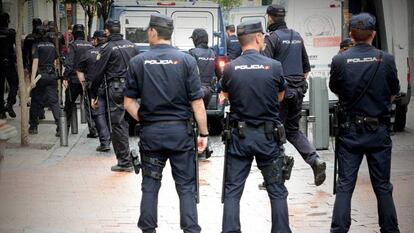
[[45, 93], [359, 137], [286, 46], [166, 80], [77, 48], [253, 83], [86, 66], [8, 67], [206, 62], [233, 47], [112, 62]]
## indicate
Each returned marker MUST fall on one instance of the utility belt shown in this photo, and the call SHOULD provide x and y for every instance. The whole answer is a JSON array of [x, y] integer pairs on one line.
[[269, 128], [189, 123], [370, 123], [47, 69]]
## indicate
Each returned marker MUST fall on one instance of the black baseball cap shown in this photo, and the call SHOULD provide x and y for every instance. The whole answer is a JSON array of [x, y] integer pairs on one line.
[[362, 21], [276, 10], [98, 34], [248, 27]]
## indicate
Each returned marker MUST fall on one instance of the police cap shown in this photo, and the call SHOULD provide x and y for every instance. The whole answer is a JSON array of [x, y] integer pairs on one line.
[[363, 21], [78, 28], [276, 10], [159, 20], [248, 27], [98, 34]]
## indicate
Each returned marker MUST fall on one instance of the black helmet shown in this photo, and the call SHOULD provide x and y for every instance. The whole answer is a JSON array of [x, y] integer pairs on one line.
[[36, 22], [113, 26], [199, 36], [78, 28]]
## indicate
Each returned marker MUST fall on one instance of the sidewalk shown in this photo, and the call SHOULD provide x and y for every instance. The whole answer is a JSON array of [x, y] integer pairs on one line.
[[71, 189]]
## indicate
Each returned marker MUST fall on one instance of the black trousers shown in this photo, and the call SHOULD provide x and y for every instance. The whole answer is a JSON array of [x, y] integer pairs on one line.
[[351, 146], [173, 143], [290, 112], [44, 94], [8, 72]]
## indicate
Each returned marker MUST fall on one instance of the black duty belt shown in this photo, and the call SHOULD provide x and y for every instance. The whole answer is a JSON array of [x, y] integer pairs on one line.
[[172, 122]]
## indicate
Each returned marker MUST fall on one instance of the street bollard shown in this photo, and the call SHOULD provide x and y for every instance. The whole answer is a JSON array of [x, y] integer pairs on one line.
[[63, 128], [74, 120], [83, 110], [303, 124]]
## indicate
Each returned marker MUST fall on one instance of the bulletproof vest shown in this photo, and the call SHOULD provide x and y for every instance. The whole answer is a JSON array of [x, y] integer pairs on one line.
[[7, 40], [233, 47], [290, 52], [46, 54], [121, 52], [80, 47], [91, 61], [206, 63], [359, 64]]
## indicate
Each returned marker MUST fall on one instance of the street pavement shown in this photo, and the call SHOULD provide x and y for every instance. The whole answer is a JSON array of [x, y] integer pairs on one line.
[[46, 188]]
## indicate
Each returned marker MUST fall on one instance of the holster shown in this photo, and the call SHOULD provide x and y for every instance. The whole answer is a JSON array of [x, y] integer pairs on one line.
[[136, 161], [241, 125]]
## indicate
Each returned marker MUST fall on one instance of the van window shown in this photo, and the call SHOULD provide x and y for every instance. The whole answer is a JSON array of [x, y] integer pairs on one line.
[[262, 19], [186, 22], [133, 25]]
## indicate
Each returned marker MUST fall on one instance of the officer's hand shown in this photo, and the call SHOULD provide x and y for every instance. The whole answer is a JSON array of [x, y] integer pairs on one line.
[[65, 83], [94, 103], [201, 144]]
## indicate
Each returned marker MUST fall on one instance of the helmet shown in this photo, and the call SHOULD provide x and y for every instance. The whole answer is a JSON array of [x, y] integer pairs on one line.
[[36, 22], [78, 28], [113, 26], [199, 36]]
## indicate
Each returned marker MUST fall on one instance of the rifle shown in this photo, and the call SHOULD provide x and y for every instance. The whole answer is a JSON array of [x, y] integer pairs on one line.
[[226, 138], [107, 104]]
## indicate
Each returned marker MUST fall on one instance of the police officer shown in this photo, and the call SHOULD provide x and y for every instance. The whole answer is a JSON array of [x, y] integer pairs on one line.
[[111, 65], [286, 46], [206, 61], [254, 85], [7, 66], [86, 66], [365, 80], [168, 83], [233, 45], [44, 60], [74, 86], [28, 43]]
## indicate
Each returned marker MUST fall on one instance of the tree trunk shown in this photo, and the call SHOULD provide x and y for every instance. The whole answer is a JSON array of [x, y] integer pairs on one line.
[[24, 127], [90, 21]]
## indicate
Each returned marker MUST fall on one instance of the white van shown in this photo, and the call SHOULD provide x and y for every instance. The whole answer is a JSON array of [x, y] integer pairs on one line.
[[321, 24]]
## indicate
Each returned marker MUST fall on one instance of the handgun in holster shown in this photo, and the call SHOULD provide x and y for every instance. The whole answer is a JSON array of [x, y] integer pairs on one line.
[[136, 161]]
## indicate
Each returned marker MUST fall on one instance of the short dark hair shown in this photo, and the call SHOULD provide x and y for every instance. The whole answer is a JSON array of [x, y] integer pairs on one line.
[[4, 19], [163, 32], [360, 35], [247, 39]]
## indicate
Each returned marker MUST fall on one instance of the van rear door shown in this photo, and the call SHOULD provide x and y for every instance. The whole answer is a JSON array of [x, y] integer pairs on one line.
[[187, 19]]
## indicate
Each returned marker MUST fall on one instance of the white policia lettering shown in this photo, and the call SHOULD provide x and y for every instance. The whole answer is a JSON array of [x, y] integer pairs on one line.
[[362, 60], [160, 62], [293, 42], [206, 58], [251, 67]]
